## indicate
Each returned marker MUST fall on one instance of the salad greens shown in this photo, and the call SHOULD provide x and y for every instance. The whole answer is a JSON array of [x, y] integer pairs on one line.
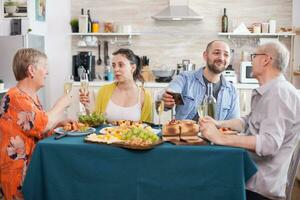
[[93, 119]]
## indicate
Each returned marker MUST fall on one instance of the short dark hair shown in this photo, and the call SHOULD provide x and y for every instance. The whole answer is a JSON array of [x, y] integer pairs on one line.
[[211, 43], [133, 59]]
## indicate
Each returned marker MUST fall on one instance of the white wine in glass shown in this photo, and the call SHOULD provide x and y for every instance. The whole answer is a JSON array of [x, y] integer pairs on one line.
[[84, 83], [202, 108], [68, 84], [159, 107]]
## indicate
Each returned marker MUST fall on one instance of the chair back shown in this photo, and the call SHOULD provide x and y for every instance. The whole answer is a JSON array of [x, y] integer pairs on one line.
[[295, 162]]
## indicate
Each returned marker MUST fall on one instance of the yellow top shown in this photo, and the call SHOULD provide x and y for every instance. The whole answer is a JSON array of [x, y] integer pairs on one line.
[[105, 93]]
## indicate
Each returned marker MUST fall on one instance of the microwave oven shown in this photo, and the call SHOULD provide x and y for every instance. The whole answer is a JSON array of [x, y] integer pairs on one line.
[[246, 75]]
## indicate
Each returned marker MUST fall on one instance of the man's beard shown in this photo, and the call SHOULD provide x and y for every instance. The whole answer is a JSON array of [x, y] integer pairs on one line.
[[212, 67]]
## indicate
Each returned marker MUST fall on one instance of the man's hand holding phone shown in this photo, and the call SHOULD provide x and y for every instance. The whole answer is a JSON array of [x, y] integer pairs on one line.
[[171, 98]]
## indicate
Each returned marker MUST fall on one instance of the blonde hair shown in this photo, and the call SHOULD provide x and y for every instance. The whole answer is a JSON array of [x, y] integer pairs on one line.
[[23, 58]]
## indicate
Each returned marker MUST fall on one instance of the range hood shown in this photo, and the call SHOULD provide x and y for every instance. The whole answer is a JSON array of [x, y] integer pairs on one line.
[[176, 11]]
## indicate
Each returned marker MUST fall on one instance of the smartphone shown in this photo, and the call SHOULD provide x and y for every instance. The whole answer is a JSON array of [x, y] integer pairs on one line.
[[177, 97]]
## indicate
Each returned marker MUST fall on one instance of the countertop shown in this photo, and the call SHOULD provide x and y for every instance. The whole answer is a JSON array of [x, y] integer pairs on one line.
[[163, 85], [3, 91]]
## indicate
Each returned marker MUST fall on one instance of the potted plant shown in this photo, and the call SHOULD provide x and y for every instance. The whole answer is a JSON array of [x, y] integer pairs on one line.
[[74, 25], [10, 7], [1, 85]]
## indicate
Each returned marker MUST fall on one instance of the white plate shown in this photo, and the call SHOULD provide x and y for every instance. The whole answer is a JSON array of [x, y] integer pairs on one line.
[[61, 131], [103, 130]]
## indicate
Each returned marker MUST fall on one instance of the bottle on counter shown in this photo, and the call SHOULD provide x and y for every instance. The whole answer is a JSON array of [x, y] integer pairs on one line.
[[211, 101], [95, 27], [89, 21], [224, 22], [108, 74], [83, 22]]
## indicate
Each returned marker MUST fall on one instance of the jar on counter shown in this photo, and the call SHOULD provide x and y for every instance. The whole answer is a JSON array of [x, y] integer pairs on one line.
[[257, 28], [108, 27], [95, 27], [265, 27]]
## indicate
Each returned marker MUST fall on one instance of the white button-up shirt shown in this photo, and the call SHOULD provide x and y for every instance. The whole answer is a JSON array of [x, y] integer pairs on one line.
[[275, 121]]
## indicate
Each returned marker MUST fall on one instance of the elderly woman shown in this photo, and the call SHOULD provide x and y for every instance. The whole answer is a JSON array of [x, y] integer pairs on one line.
[[23, 120], [123, 99]]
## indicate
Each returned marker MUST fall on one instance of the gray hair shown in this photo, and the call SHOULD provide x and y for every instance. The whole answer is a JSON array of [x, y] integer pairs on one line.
[[279, 53]]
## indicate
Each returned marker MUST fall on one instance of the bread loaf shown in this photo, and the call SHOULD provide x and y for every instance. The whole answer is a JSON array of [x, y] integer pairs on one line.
[[180, 129], [189, 128]]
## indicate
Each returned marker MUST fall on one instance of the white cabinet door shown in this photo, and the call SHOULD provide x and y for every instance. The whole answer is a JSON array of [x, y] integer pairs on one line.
[[245, 101]]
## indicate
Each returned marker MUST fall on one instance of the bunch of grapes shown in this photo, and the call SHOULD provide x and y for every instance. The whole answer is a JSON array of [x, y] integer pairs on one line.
[[137, 133]]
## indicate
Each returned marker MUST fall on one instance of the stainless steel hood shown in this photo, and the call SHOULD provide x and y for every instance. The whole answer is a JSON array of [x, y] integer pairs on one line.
[[176, 11]]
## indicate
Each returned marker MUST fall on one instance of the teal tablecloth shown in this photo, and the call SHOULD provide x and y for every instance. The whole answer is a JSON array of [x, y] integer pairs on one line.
[[71, 169]]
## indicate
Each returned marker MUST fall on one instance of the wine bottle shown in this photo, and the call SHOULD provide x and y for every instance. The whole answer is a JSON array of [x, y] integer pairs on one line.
[[211, 101], [89, 22], [83, 20], [224, 22]]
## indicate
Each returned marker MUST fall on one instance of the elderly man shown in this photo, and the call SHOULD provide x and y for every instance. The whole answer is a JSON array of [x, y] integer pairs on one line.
[[272, 128], [193, 86]]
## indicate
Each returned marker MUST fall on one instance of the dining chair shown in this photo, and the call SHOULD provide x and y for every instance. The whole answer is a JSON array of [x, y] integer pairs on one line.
[[295, 162]]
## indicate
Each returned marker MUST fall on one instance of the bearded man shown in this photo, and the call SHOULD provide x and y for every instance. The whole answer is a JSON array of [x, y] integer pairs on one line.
[[192, 85]]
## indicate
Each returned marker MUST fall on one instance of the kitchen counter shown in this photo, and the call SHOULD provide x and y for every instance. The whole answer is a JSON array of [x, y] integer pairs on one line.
[[163, 85], [3, 91]]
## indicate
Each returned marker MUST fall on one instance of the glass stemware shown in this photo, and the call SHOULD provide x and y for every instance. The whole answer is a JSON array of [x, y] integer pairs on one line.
[[84, 83], [68, 84], [159, 107], [202, 108]]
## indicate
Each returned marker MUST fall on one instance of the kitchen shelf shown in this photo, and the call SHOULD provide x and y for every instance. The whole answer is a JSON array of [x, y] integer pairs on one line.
[[105, 34], [283, 34]]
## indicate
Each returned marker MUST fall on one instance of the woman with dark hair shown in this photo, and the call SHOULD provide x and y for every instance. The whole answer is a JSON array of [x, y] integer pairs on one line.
[[123, 99]]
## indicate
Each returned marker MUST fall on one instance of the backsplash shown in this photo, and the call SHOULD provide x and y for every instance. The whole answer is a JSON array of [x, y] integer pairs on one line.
[[168, 42]]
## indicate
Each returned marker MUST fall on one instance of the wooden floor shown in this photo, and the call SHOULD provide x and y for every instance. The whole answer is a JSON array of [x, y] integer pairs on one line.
[[296, 190]]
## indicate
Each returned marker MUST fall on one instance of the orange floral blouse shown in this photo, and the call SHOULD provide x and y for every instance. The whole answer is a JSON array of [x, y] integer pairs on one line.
[[22, 123]]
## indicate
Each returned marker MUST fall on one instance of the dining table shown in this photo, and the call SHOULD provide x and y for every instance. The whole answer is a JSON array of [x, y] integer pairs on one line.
[[70, 168]]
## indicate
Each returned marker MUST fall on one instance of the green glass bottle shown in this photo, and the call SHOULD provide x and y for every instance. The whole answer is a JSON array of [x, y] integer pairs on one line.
[[211, 101], [224, 22]]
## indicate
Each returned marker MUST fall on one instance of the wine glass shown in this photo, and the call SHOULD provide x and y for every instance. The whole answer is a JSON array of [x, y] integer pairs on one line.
[[84, 83], [159, 107], [202, 108], [68, 84]]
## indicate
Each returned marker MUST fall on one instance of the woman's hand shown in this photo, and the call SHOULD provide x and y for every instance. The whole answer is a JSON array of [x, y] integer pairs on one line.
[[84, 97], [168, 99]]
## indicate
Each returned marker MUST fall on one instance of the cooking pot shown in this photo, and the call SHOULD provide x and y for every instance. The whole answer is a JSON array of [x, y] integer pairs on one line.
[[187, 65], [163, 73]]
